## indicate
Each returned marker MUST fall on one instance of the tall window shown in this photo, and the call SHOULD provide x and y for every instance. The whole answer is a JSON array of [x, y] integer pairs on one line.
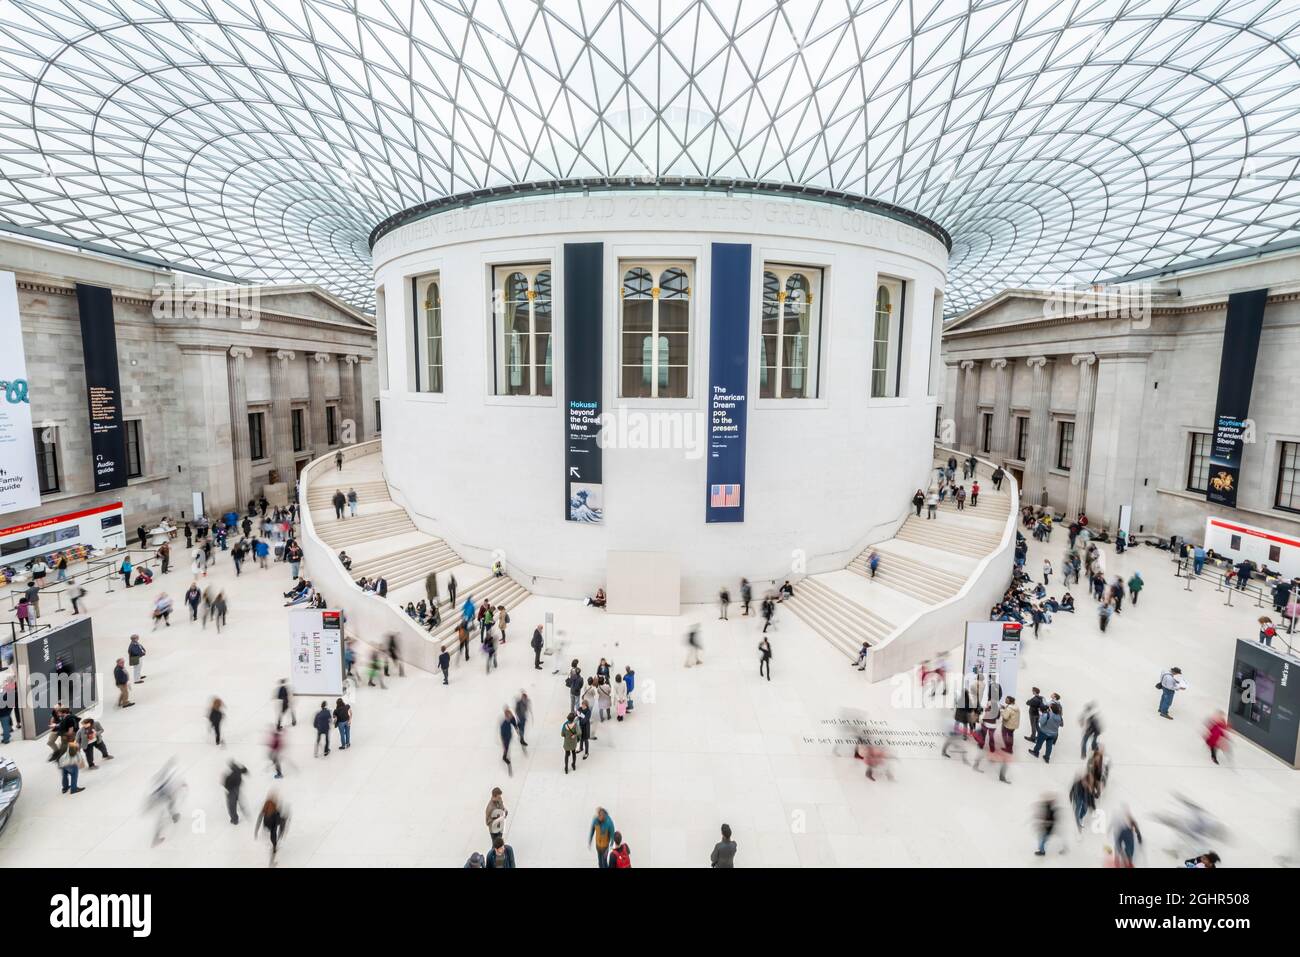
[[1065, 445], [886, 339], [1022, 436], [47, 459], [331, 425], [1198, 463], [428, 334], [134, 449], [791, 336], [655, 337], [521, 341], [256, 437], [1288, 477], [986, 432], [296, 421]]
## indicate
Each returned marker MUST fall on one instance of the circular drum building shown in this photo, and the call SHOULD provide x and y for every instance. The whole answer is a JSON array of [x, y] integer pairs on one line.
[[654, 386]]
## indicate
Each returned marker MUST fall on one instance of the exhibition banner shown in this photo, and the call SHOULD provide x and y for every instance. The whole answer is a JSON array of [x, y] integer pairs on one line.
[[728, 382], [20, 486], [1236, 379], [103, 389], [584, 495], [316, 651], [992, 660]]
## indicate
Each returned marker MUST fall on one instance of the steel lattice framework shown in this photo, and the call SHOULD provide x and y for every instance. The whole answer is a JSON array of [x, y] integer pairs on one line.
[[264, 139]]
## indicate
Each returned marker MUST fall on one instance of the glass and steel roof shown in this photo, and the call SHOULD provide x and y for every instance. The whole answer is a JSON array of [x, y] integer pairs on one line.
[[264, 139]]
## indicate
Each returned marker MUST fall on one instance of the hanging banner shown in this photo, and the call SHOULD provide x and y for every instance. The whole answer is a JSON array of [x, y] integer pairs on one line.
[[103, 390], [1236, 378], [584, 493], [992, 660], [728, 382], [316, 651], [19, 483]]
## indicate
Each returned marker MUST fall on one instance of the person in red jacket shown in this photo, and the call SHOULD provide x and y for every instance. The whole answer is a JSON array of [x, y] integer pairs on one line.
[[620, 854], [1216, 735]]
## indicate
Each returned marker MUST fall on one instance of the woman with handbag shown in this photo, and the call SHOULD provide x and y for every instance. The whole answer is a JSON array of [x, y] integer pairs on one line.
[[70, 764]]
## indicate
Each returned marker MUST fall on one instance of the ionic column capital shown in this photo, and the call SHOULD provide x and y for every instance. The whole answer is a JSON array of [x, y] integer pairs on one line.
[[967, 365], [997, 364], [321, 357], [351, 360], [1084, 359], [241, 352], [1037, 362], [285, 355]]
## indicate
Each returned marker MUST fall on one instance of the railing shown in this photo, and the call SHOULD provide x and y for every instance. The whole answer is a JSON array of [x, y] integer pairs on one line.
[[1262, 594], [935, 630], [104, 568], [369, 618]]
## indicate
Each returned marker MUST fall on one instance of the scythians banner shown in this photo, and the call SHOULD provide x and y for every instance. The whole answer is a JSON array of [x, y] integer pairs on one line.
[[1236, 379]]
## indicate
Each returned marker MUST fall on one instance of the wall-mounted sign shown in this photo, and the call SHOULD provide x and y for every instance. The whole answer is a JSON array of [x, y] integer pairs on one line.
[[103, 388], [584, 490], [19, 484], [1236, 379], [728, 398]]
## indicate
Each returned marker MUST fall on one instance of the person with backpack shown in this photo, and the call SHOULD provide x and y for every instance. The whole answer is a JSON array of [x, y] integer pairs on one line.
[[1049, 727], [569, 734], [322, 725], [232, 783], [620, 855]]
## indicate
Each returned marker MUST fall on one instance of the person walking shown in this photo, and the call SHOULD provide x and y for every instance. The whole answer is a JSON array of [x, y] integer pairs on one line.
[[767, 610], [724, 600], [746, 596], [620, 855], [1170, 683], [322, 725], [1010, 723], [1216, 734], [693, 646], [135, 653], [1135, 586], [272, 816], [343, 722], [918, 500], [605, 696], [602, 831], [569, 734], [1047, 815], [1090, 721], [444, 664], [873, 562], [451, 592], [724, 852], [89, 737], [233, 782], [538, 643], [338, 501], [282, 696], [974, 494], [523, 713], [629, 682], [338, 461], [216, 714], [507, 728], [1047, 572], [70, 763], [765, 658], [352, 502], [1049, 726], [931, 503], [1036, 705], [495, 815], [584, 725], [1127, 839], [394, 656]]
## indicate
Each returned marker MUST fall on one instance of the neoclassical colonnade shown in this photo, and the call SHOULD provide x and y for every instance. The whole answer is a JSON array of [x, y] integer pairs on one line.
[[968, 375]]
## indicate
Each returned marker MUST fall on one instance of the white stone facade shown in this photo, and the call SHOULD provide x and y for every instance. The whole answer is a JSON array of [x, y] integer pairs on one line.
[[1138, 384]]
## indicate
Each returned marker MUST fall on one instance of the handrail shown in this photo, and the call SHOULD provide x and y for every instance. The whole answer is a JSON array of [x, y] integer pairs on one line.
[[112, 560], [1261, 593]]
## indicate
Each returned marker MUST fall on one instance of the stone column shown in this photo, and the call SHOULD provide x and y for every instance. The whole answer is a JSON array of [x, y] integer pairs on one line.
[[282, 415], [1001, 409], [951, 404], [970, 406], [365, 402], [348, 399], [1084, 407], [1040, 420], [240, 453], [207, 445], [316, 402]]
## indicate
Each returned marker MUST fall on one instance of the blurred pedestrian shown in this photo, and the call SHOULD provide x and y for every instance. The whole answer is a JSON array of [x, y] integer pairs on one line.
[[216, 714], [276, 821]]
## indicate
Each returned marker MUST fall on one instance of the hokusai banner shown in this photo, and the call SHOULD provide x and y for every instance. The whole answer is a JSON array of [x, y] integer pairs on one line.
[[1236, 379], [103, 387], [584, 491], [20, 486]]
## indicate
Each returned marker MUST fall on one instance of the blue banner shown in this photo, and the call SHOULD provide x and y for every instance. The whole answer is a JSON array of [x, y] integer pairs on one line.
[[584, 490], [728, 382]]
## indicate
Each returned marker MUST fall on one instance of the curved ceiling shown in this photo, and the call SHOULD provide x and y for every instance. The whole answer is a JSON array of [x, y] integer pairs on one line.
[[264, 139]]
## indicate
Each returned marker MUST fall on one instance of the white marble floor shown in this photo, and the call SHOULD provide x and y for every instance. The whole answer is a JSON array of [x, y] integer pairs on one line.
[[704, 745]]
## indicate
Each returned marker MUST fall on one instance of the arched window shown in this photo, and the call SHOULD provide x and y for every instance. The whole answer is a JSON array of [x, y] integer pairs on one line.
[[655, 337], [790, 339], [522, 340], [885, 337], [425, 365]]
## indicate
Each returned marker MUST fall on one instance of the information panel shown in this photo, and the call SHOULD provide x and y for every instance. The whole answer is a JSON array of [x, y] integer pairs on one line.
[[1264, 703], [316, 651], [584, 493], [19, 483], [992, 659], [728, 383], [103, 389], [1236, 379]]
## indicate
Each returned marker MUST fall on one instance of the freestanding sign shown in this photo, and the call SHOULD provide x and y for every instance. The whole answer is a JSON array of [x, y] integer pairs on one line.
[[316, 651], [103, 388], [992, 659], [19, 485], [56, 668], [1236, 378], [1264, 703], [584, 491], [728, 383]]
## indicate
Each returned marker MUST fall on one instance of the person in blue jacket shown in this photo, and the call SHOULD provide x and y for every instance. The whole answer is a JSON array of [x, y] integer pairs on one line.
[[500, 854], [602, 830]]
